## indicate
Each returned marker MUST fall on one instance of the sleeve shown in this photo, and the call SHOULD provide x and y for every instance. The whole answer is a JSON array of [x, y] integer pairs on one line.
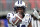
[[30, 18], [8, 15], [11, 17], [27, 20]]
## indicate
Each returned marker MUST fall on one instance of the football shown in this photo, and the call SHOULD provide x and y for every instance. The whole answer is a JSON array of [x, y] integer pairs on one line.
[[17, 20]]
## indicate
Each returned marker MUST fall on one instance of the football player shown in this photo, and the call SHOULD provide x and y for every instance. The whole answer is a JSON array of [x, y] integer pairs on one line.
[[36, 18], [19, 19]]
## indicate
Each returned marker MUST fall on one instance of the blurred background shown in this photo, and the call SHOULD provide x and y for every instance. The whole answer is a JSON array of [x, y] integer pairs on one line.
[[7, 6]]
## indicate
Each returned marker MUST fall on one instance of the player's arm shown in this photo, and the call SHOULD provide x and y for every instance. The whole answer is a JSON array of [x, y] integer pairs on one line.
[[35, 13], [30, 19], [10, 18]]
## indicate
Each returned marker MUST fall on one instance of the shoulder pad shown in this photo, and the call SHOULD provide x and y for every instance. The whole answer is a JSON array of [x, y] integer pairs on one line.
[[10, 15]]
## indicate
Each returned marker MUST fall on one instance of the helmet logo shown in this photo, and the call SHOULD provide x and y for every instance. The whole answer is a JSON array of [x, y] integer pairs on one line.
[[20, 1]]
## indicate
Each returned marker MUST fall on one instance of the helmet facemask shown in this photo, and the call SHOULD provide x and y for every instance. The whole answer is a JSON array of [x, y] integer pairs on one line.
[[16, 8]]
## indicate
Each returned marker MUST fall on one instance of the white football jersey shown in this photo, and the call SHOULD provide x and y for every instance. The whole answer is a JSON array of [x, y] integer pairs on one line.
[[25, 21]]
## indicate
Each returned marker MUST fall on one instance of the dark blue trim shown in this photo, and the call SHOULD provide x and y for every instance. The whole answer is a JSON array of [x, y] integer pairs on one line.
[[18, 1], [21, 2]]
